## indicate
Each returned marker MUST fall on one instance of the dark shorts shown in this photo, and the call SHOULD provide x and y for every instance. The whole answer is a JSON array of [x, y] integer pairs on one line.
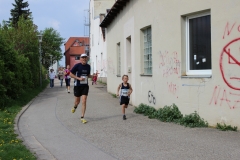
[[67, 82], [80, 90], [124, 100]]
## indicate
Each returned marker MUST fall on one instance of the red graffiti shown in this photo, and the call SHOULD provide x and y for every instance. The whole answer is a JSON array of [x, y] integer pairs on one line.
[[224, 97], [172, 88], [214, 97], [169, 63], [230, 64], [228, 30]]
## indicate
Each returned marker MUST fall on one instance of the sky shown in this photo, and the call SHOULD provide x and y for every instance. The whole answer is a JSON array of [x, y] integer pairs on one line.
[[66, 16]]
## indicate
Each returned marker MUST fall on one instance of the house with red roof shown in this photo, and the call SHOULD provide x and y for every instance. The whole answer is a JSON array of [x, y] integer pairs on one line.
[[74, 47]]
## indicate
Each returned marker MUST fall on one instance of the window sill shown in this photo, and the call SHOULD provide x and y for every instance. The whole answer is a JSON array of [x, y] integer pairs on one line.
[[146, 75], [197, 76]]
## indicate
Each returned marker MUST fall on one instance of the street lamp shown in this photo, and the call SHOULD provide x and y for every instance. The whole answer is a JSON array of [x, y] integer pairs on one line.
[[40, 57]]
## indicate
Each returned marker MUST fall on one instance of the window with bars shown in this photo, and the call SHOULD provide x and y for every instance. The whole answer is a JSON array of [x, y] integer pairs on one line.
[[199, 44], [118, 59], [147, 53]]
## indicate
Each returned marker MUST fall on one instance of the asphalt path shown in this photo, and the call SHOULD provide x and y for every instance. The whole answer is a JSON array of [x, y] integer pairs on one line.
[[49, 129]]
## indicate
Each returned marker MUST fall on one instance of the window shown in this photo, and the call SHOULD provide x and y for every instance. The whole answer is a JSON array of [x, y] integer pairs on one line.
[[77, 57], [199, 44], [147, 53], [118, 60]]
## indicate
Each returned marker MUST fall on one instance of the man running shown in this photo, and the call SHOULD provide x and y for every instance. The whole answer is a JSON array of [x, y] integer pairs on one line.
[[81, 72]]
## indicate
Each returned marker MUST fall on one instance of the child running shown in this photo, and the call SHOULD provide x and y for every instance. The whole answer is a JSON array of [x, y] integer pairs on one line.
[[94, 79], [126, 91]]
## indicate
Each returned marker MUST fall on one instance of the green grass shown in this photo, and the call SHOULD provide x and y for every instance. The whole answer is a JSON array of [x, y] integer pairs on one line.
[[10, 146]]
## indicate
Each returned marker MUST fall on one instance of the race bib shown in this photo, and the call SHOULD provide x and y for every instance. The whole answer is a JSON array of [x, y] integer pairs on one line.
[[85, 80], [125, 92]]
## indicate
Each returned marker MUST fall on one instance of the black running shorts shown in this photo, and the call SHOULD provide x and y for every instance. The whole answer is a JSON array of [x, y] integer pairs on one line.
[[124, 100], [67, 81], [80, 90]]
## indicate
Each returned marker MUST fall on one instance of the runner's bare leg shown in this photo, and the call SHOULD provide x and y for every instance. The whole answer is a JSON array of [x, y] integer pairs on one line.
[[84, 101]]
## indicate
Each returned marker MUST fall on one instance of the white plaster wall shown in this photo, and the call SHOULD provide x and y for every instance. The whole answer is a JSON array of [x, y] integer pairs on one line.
[[100, 6], [213, 98], [98, 53]]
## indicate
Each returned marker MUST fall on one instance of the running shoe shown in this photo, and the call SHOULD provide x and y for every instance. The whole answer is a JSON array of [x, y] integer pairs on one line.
[[68, 91], [83, 120], [124, 117], [73, 109]]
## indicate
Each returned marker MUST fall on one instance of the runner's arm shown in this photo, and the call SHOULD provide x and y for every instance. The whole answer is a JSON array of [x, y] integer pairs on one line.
[[74, 76], [130, 90]]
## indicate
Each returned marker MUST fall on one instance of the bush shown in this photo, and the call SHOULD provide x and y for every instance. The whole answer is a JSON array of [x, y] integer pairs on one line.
[[114, 95], [193, 120], [145, 110], [225, 127], [171, 114]]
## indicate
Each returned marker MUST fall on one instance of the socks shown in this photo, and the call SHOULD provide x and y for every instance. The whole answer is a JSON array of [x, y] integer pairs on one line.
[[82, 117]]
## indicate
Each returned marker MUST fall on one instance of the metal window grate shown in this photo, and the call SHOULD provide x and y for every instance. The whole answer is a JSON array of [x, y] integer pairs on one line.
[[147, 51]]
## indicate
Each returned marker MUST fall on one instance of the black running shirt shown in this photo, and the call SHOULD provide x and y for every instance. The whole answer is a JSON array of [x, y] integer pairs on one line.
[[81, 70]]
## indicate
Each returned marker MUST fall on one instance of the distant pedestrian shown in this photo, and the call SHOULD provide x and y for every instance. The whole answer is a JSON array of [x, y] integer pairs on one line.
[[81, 72], [61, 75], [97, 75], [52, 77], [94, 79], [125, 91], [67, 78]]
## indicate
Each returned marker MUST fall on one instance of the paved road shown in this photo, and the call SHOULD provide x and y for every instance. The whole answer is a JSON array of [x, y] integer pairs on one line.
[[51, 131]]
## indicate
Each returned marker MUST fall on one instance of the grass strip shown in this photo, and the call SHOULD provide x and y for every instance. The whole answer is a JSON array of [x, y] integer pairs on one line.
[[11, 148]]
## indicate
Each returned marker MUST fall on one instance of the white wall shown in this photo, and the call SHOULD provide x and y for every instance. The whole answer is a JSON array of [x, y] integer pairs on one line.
[[212, 97], [98, 55]]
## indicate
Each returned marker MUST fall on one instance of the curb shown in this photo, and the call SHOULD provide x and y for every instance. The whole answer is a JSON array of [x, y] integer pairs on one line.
[[16, 128], [17, 131]]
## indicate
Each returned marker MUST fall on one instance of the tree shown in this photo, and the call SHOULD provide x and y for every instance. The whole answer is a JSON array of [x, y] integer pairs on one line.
[[18, 11], [14, 72], [51, 47], [24, 41]]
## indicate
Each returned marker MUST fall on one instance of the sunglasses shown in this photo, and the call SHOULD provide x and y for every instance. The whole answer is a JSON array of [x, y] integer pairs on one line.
[[83, 57]]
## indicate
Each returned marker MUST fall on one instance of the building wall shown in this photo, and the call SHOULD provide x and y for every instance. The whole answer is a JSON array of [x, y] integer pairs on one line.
[[73, 61], [100, 6], [98, 56], [215, 98], [73, 48], [77, 50]]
